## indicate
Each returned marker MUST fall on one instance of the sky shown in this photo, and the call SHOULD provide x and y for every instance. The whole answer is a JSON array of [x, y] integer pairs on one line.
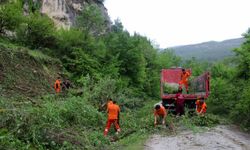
[[171, 23]]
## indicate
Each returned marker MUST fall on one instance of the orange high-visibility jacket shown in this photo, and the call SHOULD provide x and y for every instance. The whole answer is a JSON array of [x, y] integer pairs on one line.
[[57, 84], [184, 77], [109, 104], [113, 111], [160, 112], [201, 106]]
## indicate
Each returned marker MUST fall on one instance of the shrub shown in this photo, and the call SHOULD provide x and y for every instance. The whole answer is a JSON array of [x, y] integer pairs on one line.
[[37, 32], [10, 16], [223, 96], [242, 109]]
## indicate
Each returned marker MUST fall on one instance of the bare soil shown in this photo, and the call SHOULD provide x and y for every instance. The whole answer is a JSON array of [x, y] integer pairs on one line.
[[218, 138]]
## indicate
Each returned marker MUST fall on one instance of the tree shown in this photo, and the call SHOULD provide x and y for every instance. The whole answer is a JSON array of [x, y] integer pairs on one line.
[[117, 26], [167, 58], [67, 40], [91, 20], [37, 32], [81, 64], [243, 54]]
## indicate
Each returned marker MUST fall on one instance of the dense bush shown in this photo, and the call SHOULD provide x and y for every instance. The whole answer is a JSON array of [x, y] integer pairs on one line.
[[10, 16], [230, 86], [223, 97], [37, 31], [53, 124], [242, 109]]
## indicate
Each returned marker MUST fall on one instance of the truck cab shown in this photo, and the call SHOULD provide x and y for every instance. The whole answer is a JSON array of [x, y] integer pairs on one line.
[[199, 87]]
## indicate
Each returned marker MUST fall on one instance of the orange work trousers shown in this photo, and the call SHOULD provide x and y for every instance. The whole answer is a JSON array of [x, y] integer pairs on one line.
[[58, 90], [108, 125]]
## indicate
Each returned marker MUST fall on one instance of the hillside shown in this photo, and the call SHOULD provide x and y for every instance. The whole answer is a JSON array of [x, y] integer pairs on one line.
[[26, 73], [209, 51]]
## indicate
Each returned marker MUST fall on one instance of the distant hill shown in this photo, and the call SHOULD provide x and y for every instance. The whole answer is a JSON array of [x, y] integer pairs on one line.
[[208, 51]]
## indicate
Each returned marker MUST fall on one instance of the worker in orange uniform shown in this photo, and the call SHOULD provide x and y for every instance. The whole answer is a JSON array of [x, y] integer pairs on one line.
[[184, 79], [201, 107], [57, 85], [113, 111], [160, 114]]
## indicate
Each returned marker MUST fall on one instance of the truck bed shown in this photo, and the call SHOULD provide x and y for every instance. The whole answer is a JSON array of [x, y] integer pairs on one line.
[[186, 96], [200, 86]]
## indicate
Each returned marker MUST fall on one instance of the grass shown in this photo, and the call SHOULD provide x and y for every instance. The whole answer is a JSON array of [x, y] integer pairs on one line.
[[39, 55], [26, 73], [55, 122], [60, 123]]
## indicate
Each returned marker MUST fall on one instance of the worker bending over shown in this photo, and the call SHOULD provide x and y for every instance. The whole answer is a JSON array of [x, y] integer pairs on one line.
[[184, 79], [160, 114], [113, 112], [201, 107]]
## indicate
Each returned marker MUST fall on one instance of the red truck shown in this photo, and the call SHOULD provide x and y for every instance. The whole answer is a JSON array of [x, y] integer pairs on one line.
[[198, 87]]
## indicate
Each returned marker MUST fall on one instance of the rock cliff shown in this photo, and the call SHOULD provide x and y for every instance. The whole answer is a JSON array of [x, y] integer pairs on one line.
[[64, 12]]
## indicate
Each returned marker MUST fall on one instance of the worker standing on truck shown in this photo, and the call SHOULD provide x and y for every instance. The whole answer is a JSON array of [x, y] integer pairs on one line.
[[160, 114], [201, 106], [113, 111], [180, 100], [184, 79], [57, 85]]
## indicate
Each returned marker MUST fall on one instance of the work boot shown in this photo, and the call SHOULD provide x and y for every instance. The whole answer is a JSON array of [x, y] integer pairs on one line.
[[118, 131], [105, 132]]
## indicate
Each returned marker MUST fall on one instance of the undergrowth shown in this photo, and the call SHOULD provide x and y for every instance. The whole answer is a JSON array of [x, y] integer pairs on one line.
[[62, 123], [53, 124], [26, 73]]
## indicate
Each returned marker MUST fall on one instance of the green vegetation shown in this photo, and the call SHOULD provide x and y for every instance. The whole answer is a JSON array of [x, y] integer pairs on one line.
[[10, 16], [25, 72], [101, 61], [101, 64], [230, 86], [170, 88], [36, 32]]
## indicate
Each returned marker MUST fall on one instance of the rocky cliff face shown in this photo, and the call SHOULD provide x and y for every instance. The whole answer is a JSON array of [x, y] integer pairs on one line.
[[64, 12]]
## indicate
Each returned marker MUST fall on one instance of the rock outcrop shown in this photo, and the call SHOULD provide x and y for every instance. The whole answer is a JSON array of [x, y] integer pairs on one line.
[[64, 12]]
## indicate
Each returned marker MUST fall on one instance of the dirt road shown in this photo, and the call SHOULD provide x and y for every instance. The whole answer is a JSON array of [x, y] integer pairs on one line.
[[218, 138]]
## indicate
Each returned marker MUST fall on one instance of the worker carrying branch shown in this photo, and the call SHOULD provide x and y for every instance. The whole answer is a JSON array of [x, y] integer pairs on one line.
[[184, 79], [201, 107], [160, 114], [113, 112]]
